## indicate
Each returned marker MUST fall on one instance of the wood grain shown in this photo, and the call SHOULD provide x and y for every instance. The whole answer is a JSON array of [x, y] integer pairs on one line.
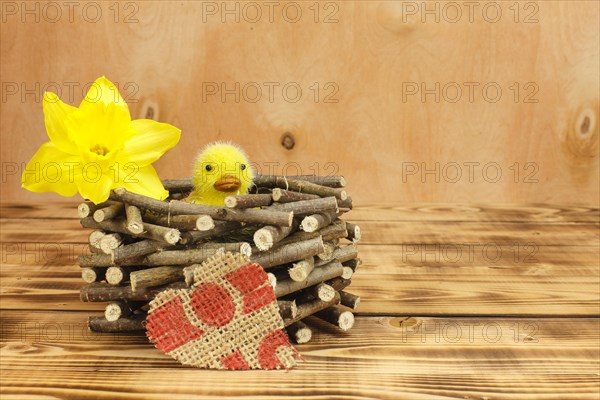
[[410, 357], [505, 317], [367, 55]]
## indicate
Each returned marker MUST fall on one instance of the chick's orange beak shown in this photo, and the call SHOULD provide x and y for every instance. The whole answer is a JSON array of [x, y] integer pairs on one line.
[[227, 184]]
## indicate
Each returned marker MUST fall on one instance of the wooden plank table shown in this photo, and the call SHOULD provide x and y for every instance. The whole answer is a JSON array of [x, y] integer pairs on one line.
[[458, 302]]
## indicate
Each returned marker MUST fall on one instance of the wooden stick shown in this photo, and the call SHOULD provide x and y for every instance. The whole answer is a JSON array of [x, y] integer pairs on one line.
[[167, 257], [90, 275], [305, 207], [321, 291], [342, 254], [252, 216], [116, 275], [221, 228], [299, 186], [307, 309], [345, 204], [337, 316], [136, 249], [289, 252], [334, 231], [121, 309], [157, 232], [101, 324], [354, 232], [205, 223], [87, 208], [95, 237], [108, 212], [339, 283], [299, 332], [318, 221], [110, 242], [335, 181], [287, 196], [331, 270], [310, 293], [347, 272], [287, 308], [134, 224], [349, 300], [178, 185], [182, 222], [155, 277], [301, 269], [120, 226], [186, 185], [267, 236], [248, 201], [175, 207], [103, 292]]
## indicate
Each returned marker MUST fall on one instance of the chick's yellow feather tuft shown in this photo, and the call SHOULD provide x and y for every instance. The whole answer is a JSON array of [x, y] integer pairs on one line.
[[221, 169]]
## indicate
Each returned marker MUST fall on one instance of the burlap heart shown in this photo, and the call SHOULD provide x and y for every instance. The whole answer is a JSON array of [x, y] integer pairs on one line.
[[228, 319]]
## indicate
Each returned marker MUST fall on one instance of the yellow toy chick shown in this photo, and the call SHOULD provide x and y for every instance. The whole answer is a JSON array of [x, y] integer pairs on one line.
[[221, 170]]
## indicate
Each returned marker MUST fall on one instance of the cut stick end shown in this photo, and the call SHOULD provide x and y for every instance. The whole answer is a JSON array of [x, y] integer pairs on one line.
[[246, 249], [172, 236], [302, 335], [309, 224], [276, 194], [263, 239], [205, 223], [83, 210], [112, 312], [95, 237], [325, 292], [89, 275], [346, 320], [114, 275], [299, 271], [98, 216], [231, 202], [347, 272]]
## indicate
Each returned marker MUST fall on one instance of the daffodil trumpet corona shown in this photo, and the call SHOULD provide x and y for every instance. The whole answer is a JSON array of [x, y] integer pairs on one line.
[[97, 147], [222, 169]]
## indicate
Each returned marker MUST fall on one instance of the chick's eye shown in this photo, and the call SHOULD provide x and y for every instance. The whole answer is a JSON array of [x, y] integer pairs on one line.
[[208, 167], [243, 167]]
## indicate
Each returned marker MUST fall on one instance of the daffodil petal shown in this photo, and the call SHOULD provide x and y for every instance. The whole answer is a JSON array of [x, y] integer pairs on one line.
[[52, 170], [95, 186], [55, 114], [99, 127], [151, 140], [144, 181], [105, 92]]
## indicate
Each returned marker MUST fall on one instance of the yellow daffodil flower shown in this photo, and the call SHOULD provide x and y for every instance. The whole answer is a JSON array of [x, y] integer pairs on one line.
[[97, 147]]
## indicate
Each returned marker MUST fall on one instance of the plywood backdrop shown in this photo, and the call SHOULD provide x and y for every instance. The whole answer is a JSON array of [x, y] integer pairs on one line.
[[410, 101]]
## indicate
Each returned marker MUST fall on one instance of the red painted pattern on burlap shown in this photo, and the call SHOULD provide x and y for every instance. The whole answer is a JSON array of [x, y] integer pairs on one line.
[[168, 326], [212, 304]]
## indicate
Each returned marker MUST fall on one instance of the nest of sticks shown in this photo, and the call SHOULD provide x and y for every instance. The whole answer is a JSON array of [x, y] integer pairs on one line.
[[291, 226]]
